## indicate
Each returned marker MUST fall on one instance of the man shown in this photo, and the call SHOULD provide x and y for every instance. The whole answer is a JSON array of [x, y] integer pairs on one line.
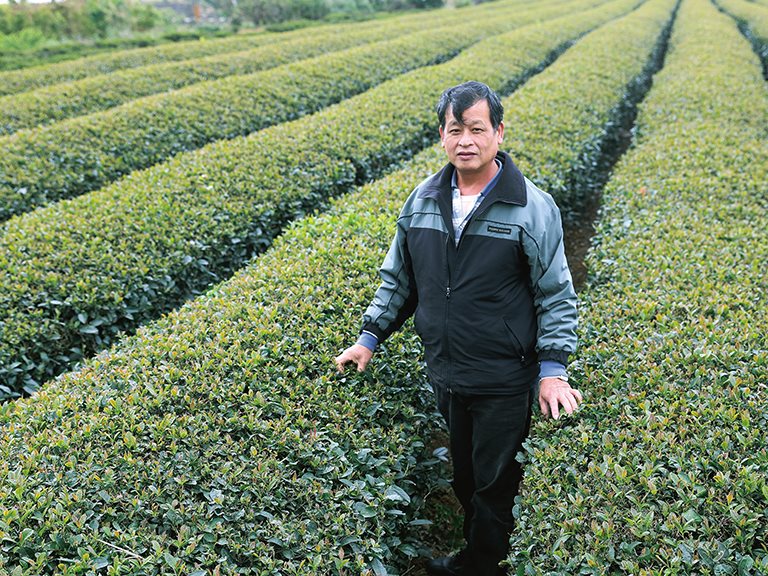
[[478, 260]]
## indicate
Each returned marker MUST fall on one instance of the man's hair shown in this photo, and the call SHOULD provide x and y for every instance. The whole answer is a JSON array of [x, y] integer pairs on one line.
[[466, 95]]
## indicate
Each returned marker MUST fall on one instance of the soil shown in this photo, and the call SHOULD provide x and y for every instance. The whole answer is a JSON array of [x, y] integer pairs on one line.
[[578, 231]]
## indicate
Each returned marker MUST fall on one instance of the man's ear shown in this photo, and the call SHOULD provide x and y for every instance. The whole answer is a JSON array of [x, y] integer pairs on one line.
[[442, 140], [501, 131]]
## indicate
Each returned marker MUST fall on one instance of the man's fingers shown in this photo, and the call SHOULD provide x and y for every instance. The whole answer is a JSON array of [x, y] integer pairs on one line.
[[577, 395], [342, 361], [569, 403], [559, 397], [554, 408], [359, 355], [573, 399], [543, 405]]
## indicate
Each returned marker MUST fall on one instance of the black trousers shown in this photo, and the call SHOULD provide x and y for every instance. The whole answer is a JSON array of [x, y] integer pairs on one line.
[[486, 433]]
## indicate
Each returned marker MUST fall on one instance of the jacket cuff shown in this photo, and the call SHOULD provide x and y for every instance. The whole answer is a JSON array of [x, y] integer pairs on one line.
[[368, 340], [371, 328], [560, 356], [550, 369]]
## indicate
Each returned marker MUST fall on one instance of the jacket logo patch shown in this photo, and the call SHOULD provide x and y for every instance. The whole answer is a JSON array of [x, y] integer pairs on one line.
[[499, 229]]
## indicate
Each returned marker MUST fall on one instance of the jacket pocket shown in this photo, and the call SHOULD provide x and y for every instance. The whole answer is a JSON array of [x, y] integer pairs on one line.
[[514, 340]]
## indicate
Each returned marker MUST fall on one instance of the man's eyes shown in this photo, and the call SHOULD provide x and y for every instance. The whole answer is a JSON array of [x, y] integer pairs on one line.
[[456, 132]]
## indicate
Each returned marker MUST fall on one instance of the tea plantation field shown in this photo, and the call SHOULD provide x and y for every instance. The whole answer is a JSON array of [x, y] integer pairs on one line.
[[190, 233]]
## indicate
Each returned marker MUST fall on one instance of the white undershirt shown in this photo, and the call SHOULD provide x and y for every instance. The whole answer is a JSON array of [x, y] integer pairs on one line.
[[467, 202]]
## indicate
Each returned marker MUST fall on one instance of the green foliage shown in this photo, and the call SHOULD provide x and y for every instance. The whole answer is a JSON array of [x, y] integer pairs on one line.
[[81, 154], [665, 470], [219, 435], [60, 51], [218, 439], [753, 21], [289, 14], [64, 100], [267, 11], [585, 101], [159, 236], [222, 440], [39, 76], [80, 18], [26, 39], [16, 81]]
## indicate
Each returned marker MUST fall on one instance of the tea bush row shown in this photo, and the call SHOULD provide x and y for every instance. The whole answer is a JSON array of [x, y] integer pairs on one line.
[[16, 59], [220, 440], [82, 154], [24, 80], [141, 246], [665, 468], [66, 100], [219, 437], [18, 81], [587, 99], [753, 20]]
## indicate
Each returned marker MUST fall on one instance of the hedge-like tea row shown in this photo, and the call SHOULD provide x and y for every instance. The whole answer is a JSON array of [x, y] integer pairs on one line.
[[586, 104], [220, 440], [219, 436], [665, 469], [17, 81], [32, 78], [72, 49], [66, 100], [753, 20], [82, 154], [126, 253], [61, 101]]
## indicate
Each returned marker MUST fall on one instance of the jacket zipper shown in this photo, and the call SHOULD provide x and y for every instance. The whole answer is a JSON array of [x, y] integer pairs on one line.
[[447, 310]]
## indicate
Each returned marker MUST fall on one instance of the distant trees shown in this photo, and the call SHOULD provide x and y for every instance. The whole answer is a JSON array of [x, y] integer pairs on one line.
[[261, 12], [26, 26]]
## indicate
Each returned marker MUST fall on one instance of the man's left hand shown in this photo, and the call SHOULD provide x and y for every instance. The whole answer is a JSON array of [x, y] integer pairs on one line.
[[554, 393]]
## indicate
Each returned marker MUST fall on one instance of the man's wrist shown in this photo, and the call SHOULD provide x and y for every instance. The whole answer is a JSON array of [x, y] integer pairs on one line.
[[552, 369], [368, 339]]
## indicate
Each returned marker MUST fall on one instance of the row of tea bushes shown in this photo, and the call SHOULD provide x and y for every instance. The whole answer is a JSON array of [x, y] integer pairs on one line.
[[18, 81], [220, 440], [60, 101], [66, 100], [73, 49], [753, 20], [586, 99], [82, 154], [24, 80], [242, 451], [665, 468], [131, 251]]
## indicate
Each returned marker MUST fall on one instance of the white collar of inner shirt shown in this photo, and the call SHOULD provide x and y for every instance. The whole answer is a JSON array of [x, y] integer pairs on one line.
[[455, 180]]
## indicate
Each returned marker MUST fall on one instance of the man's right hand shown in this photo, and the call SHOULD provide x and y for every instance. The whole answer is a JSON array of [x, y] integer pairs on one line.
[[356, 353]]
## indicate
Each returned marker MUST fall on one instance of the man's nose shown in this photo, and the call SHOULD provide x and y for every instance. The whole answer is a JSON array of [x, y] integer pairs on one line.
[[465, 139]]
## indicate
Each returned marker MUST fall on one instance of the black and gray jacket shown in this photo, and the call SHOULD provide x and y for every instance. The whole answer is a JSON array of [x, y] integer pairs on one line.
[[493, 306]]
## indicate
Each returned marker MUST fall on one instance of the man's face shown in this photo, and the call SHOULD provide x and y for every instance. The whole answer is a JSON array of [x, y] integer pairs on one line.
[[471, 145]]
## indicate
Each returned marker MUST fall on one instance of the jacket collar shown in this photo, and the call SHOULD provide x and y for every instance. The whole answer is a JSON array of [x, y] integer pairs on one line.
[[510, 187]]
